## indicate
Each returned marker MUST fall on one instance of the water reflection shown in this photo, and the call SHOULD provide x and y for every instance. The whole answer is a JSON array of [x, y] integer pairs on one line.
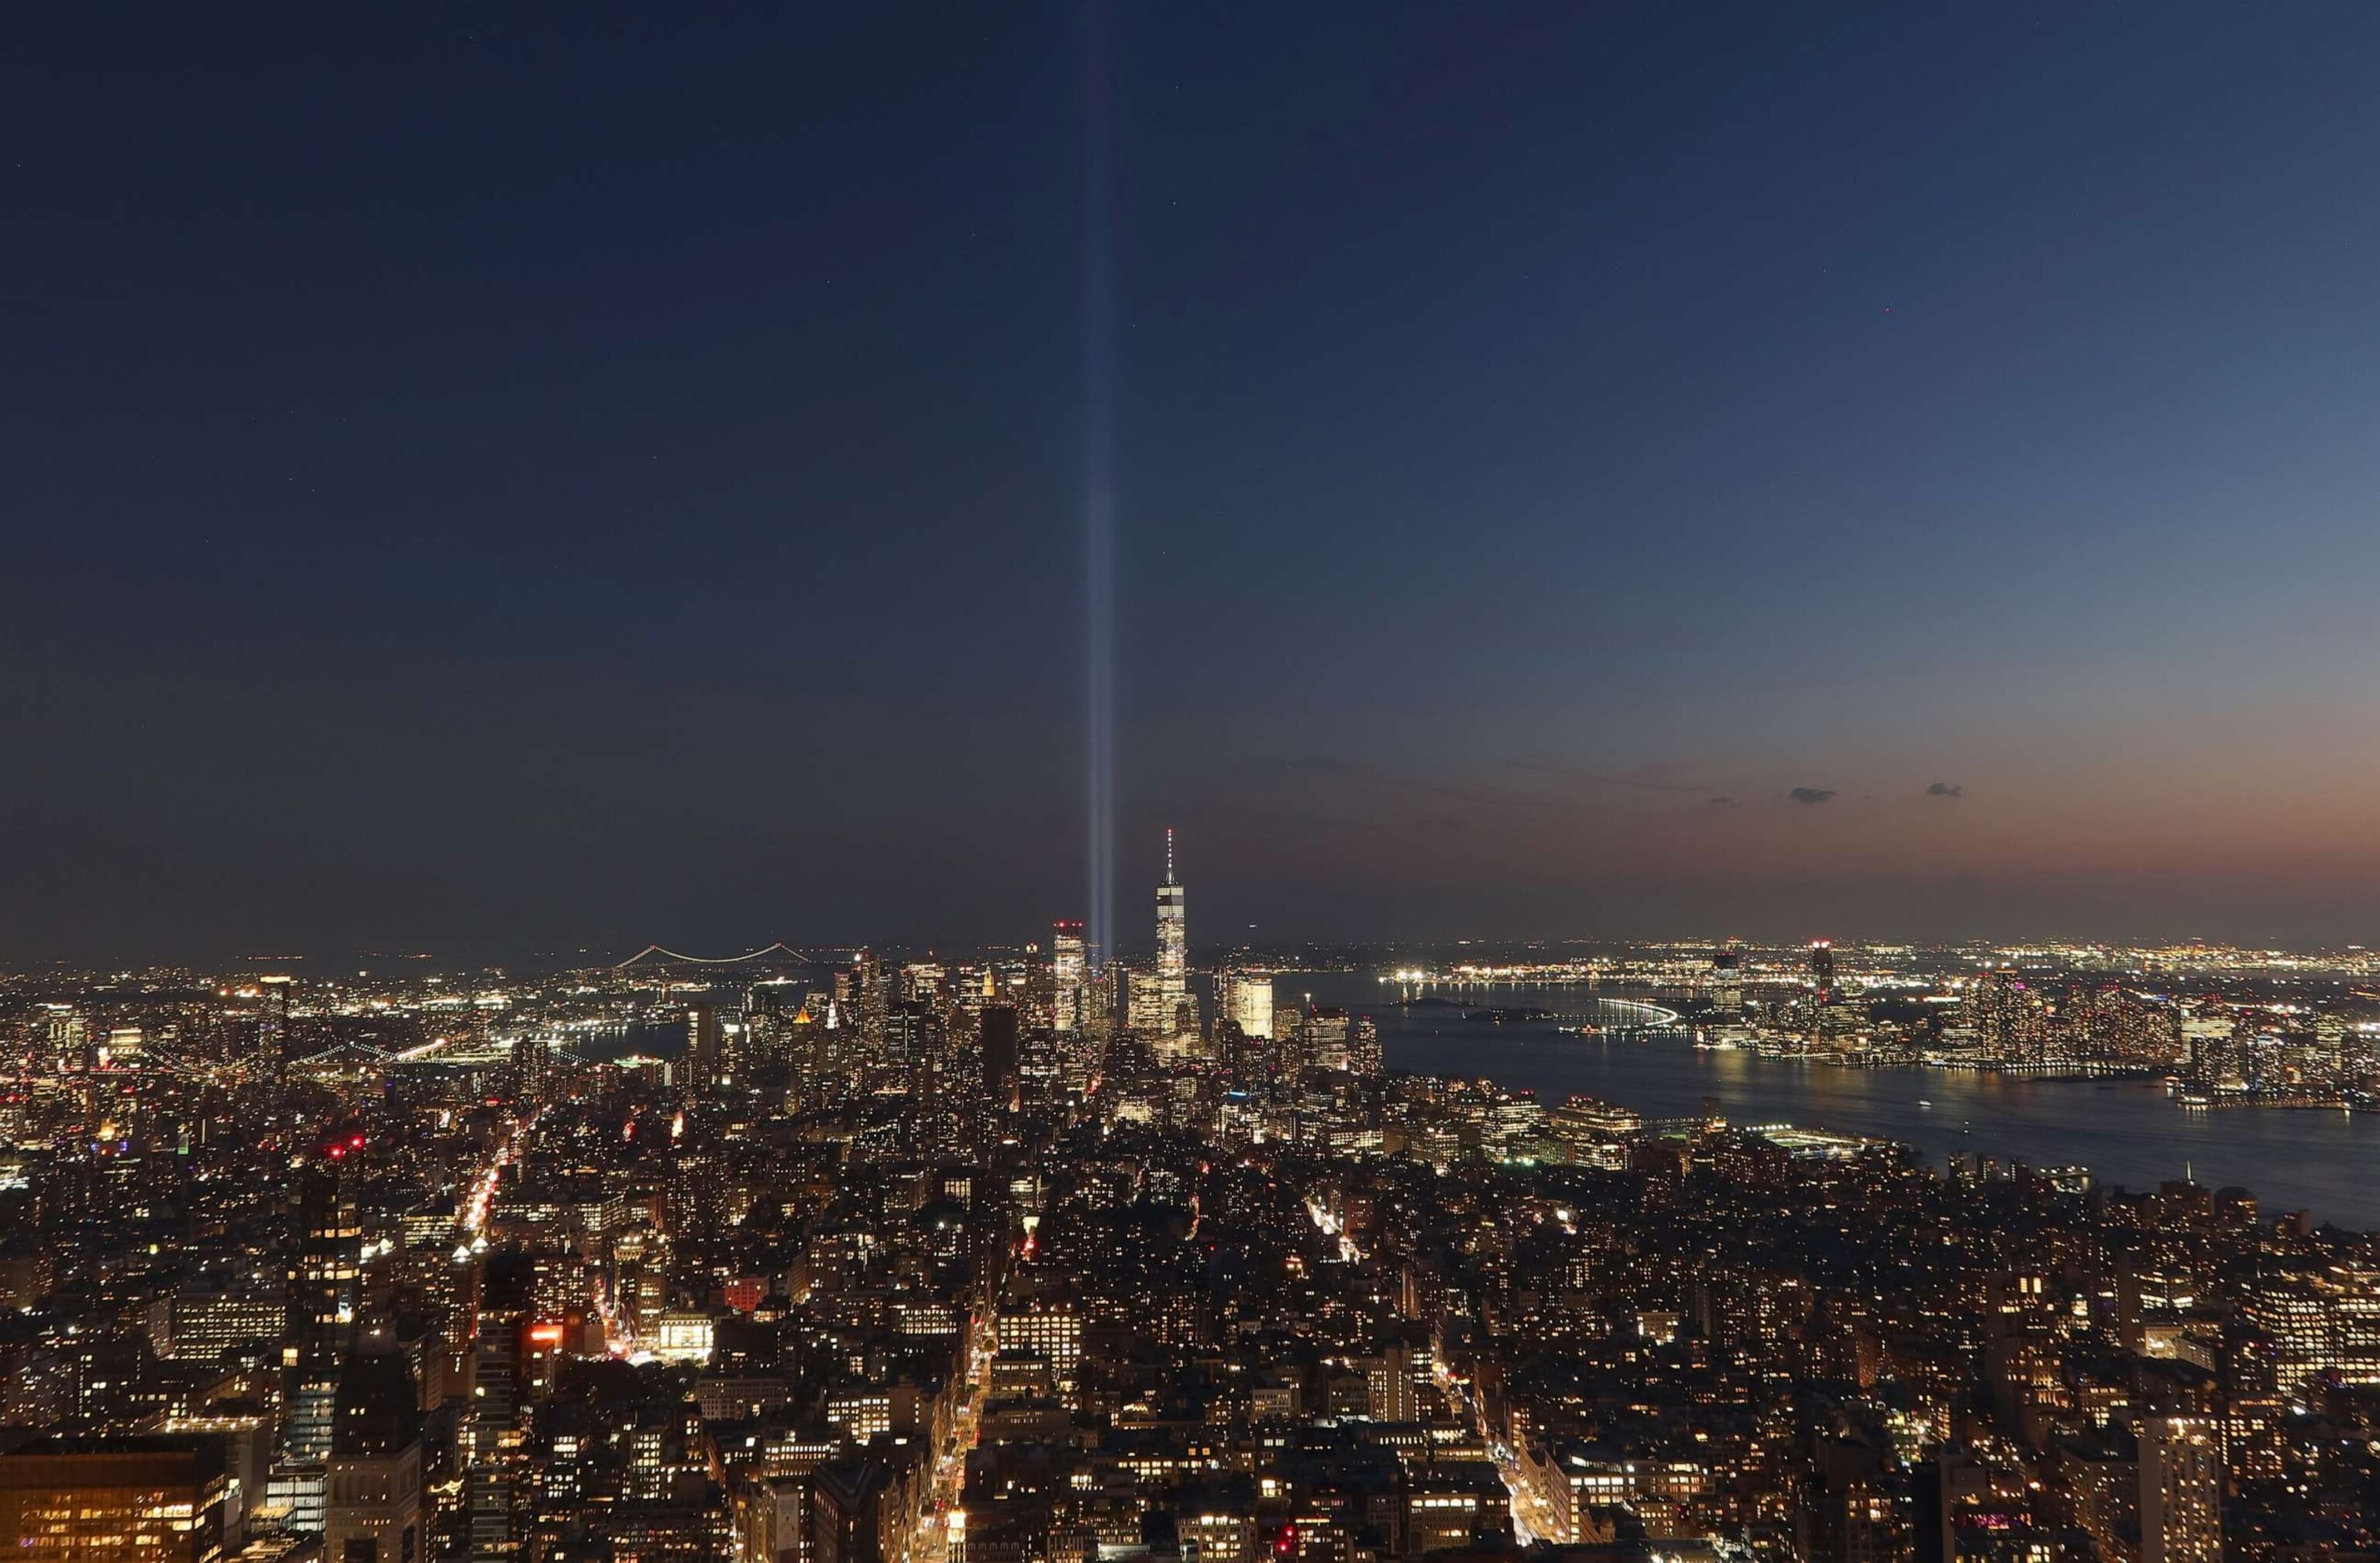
[[2127, 1132]]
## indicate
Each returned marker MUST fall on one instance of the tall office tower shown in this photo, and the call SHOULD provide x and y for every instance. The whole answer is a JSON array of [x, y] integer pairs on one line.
[[910, 1052], [1099, 1005], [492, 1438], [69, 1036], [865, 999], [966, 990], [273, 1027], [1821, 970], [374, 1510], [1727, 981], [326, 1285], [701, 1047], [2181, 1489], [114, 1500], [924, 982], [997, 1035], [821, 1054], [1066, 974], [1173, 937], [1246, 1001], [1172, 1014], [1327, 1033], [761, 1039]]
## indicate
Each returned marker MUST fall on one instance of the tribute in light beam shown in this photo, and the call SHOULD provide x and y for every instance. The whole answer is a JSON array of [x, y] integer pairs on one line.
[[1098, 492]]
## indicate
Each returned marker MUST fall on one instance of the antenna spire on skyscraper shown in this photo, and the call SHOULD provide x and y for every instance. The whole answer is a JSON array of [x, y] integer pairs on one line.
[[1170, 1013]]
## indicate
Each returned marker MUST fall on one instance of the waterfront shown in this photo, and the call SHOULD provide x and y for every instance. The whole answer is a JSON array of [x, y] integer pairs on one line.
[[2126, 1133]]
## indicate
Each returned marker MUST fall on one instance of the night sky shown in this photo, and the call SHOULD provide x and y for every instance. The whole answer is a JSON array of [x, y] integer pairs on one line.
[[487, 486]]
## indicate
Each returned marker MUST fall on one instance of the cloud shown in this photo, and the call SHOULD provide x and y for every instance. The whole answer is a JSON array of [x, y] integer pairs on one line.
[[1946, 789], [1647, 778], [1812, 793], [1722, 802]]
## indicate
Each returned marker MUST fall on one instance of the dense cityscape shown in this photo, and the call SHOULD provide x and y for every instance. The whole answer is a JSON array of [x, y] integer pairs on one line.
[[1753, 619], [2222, 1026], [1035, 1256]]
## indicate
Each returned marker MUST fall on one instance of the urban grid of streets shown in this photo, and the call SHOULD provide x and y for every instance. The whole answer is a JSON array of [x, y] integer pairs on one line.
[[1026, 1256]]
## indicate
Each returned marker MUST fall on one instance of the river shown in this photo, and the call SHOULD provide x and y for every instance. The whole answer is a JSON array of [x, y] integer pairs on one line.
[[2126, 1133]]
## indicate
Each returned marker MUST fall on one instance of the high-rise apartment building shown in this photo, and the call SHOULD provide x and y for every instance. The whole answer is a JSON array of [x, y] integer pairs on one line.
[[2181, 1489], [1727, 981], [1364, 1045]]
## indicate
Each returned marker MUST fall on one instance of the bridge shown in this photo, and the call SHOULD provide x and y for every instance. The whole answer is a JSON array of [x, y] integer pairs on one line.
[[1652, 1017], [780, 949]]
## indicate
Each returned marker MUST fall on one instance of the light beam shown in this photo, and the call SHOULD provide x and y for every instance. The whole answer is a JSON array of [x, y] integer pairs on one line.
[[1099, 488]]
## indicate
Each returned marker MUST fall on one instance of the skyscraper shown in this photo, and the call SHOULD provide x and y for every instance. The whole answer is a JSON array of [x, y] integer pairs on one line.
[[325, 1295], [702, 1036], [273, 1027], [1066, 974], [1246, 1001], [325, 1283], [1161, 1006], [1364, 1045], [1172, 938], [1727, 981], [1821, 970], [493, 1453], [2181, 1489], [373, 1514], [996, 1042]]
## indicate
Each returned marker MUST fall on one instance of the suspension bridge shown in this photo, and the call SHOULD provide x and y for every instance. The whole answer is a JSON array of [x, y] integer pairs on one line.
[[781, 951]]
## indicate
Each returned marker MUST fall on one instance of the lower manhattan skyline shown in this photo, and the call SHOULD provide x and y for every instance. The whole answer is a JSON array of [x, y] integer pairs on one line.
[[1093, 783]]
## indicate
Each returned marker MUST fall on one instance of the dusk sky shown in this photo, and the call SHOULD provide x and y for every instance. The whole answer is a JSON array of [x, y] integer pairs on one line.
[[487, 486]]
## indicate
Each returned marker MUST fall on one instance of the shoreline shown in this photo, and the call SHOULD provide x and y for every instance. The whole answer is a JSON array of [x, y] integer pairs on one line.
[[2296, 1161]]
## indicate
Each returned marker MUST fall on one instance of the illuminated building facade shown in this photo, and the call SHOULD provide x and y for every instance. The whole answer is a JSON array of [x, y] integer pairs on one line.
[[1246, 1002], [2181, 1489], [1173, 935], [117, 1500], [1067, 972]]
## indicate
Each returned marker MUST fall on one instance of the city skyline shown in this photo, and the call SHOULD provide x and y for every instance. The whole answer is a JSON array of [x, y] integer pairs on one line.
[[630, 629], [1632, 1256]]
